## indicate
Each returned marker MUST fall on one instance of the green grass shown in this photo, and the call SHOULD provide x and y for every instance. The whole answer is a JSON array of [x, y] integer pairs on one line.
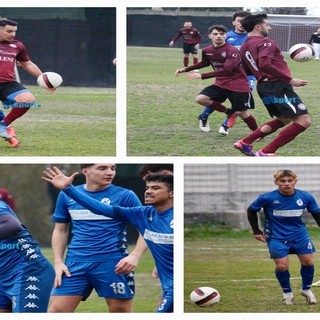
[[147, 295], [162, 115], [239, 267], [71, 122]]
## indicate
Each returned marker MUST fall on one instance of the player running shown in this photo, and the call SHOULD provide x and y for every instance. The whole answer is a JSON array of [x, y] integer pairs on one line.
[[284, 231], [191, 42], [12, 93], [263, 58], [154, 221], [234, 37], [231, 81]]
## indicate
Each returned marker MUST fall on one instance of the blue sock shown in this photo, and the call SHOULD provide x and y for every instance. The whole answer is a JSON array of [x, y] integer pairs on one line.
[[1, 115], [307, 274], [206, 113], [284, 280]]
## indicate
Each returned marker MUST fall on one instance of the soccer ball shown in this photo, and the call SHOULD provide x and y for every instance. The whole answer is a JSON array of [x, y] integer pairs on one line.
[[49, 80], [302, 52], [204, 297]]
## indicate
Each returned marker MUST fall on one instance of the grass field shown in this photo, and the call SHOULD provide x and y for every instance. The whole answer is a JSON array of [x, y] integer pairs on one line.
[[238, 266], [71, 122], [148, 290], [162, 115]]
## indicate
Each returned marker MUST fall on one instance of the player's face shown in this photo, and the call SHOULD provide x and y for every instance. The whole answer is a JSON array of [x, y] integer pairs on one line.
[[238, 28], [99, 175], [7, 33], [218, 37], [264, 28], [156, 193], [188, 25], [286, 185]]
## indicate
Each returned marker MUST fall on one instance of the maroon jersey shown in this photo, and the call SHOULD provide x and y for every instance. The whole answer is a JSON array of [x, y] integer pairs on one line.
[[10, 52], [7, 198], [226, 63], [190, 36], [264, 59]]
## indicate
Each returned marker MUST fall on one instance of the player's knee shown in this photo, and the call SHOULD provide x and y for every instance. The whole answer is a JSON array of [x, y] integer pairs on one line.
[[203, 100]]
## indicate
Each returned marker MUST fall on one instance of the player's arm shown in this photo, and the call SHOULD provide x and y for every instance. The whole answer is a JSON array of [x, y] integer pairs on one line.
[[202, 64], [316, 217], [31, 68], [253, 221], [9, 226]]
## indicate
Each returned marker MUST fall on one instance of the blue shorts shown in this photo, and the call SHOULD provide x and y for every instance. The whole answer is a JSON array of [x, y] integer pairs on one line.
[[280, 248], [28, 289], [86, 276], [166, 303]]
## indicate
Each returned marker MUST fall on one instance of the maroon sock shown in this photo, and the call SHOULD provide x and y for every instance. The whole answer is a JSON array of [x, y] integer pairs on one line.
[[195, 60], [185, 61], [14, 114], [286, 135], [251, 122], [274, 124], [218, 106]]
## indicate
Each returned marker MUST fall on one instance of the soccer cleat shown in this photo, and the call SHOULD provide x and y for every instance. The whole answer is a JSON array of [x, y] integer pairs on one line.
[[288, 299], [244, 148], [230, 120], [311, 299], [262, 154], [3, 131], [316, 284], [204, 125], [14, 142], [223, 130]]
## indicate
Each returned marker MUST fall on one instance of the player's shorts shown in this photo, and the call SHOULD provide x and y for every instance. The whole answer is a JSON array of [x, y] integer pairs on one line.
[[280, 249], [86, 276], [28, 289], [280, 99], [9, 90], [240, 101], [189, 48], [166, 303]]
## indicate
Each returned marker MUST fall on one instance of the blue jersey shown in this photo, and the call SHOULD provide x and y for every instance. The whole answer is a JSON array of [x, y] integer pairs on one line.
[[156, 228], [283, 214], [18, 250], [95, 238]]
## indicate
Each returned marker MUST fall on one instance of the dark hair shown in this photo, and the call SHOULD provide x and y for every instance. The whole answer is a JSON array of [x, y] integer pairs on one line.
[[249, 22], [218, 27], [85, 165], [154, 168], [240, 14], [167, 179], [5, 21]]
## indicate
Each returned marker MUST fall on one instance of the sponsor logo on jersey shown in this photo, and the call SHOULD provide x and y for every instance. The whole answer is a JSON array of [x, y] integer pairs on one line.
[[84, 214], [156, 237], [288, 213]]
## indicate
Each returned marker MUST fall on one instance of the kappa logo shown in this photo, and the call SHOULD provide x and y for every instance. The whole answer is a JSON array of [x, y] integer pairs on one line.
[[32, 287], [33, 279], [32, 296], [276, 202], [31, 305]]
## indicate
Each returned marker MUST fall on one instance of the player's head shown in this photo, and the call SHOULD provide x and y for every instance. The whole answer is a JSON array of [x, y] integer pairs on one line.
[[286, 181], [236, 20], [163, 168], [98, 176], [318, 29], [258, 23], [8, 29], [187, 24], [159, 189], [218, 34]]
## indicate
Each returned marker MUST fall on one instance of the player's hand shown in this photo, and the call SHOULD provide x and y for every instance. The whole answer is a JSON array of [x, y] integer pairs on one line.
[[127, 264], [194, 75], [155, 274], [298, 82], [179, 71], [260, 237], [57, 178], [60, 269], [171, 44]]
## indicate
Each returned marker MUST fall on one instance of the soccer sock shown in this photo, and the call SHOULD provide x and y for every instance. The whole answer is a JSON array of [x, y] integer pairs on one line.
[[14, 114], [251, 122], [185, 61], [307, 274], [284, 280], [215, 105], [195, 60], [286, 135], [1, 115], [206, 113], [273, 124]]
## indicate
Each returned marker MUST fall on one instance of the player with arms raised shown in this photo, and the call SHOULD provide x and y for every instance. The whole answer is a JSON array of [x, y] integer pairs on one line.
[[263, 58]]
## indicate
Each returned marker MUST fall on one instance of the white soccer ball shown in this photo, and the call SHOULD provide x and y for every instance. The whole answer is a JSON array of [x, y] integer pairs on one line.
[[204, 297], [49, 80], [302, 52]]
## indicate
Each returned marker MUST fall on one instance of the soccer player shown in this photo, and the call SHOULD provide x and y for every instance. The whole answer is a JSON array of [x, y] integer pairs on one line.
[[231, 81], [191, 42], [284, 231], [97, 256], [234, 37], [315, 42], [7, 197], [262, 58], [163, 168], [12, 93], [154, 221], [26, 276]]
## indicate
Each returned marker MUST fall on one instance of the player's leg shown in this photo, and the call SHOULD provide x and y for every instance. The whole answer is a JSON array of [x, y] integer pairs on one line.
[[120, 305], [194, 53], [186, 53], [316, 47], [204, 119], [166, 303], [64, 303]]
